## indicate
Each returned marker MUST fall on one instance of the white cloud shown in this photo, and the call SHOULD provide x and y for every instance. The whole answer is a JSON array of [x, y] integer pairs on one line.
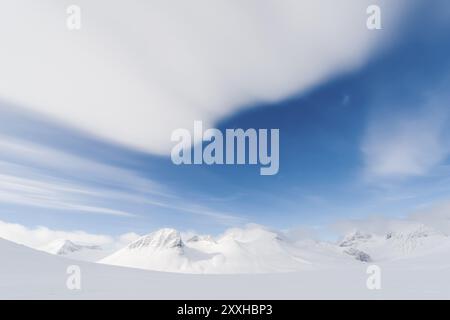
[[300, 233], [127, 238], [139, 69]]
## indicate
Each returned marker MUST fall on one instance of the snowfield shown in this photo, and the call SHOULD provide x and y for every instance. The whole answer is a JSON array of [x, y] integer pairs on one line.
[[415, 264]]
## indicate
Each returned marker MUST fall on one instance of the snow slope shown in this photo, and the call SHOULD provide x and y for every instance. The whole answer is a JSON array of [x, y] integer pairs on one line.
[[31, 274]]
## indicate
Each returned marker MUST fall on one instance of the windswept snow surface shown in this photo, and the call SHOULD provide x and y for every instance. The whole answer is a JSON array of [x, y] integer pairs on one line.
[[26, 273]]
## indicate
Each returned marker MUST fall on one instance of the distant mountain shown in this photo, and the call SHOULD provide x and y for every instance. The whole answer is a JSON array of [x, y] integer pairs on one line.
[[69, 249], [413, 240]]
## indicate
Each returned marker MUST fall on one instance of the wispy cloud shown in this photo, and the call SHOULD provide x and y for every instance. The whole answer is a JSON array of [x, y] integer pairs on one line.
[[25, 158], [36, 175]]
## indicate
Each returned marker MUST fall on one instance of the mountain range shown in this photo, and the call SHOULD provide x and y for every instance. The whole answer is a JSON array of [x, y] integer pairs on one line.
[[256, 249]]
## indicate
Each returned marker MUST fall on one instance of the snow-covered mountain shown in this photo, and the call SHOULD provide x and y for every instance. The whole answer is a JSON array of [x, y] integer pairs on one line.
[[255, 249], [161, 250], [258, 250], [250, 250], [406, 242], [69, 249]]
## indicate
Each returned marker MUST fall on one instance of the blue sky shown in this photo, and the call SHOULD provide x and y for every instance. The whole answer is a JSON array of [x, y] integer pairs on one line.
[[370, 140]]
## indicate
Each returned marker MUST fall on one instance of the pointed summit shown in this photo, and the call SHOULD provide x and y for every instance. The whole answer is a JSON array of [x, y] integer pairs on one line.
[[163, 238]]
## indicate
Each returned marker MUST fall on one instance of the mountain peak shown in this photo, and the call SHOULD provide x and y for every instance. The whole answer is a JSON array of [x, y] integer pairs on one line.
[[65, 246], [163, 238], [353, 238]]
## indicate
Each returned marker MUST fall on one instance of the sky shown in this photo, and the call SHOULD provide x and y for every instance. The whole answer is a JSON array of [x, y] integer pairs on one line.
[[86, 116]]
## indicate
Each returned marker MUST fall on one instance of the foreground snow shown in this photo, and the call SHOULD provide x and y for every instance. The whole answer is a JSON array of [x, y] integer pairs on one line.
[[32, 274], [27, 273]]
